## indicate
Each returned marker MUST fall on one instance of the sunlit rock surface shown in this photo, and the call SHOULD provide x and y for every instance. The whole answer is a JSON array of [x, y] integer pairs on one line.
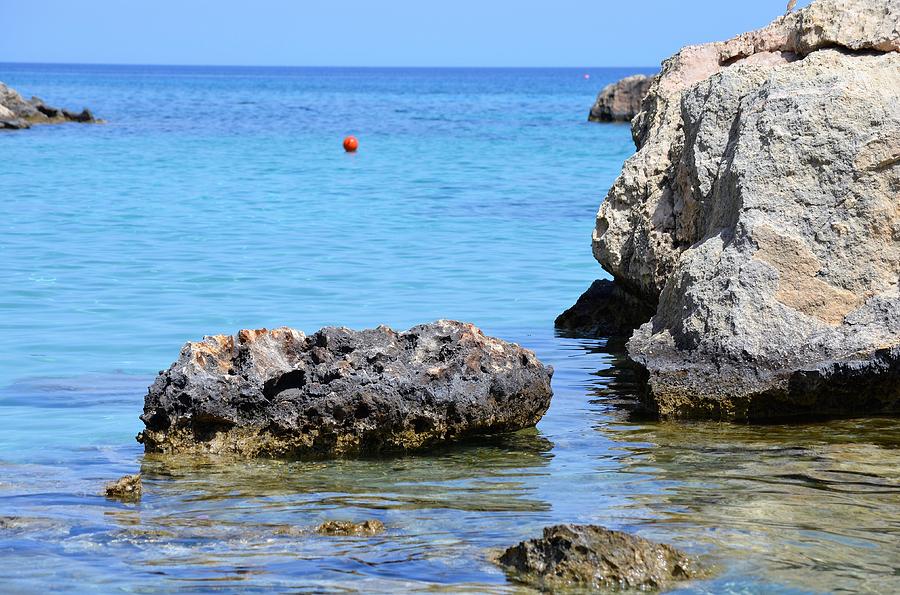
[[761, 218], [342, 392]]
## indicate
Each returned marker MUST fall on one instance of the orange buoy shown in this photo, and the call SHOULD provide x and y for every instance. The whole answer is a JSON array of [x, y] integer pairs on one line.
[[351, 144]]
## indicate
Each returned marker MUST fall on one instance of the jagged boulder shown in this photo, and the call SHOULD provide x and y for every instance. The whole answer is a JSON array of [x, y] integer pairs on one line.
[[761, 218], [16, 113], [341, 392], [620, 101], [593, 557]]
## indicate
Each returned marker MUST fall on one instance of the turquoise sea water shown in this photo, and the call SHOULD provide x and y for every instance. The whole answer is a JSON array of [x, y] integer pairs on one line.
[[220, 198]]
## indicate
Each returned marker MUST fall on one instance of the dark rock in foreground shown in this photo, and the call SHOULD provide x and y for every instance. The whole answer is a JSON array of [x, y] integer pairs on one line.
[[605, 310], [620, 101], [590, 556], [341, 392], [17, 114]]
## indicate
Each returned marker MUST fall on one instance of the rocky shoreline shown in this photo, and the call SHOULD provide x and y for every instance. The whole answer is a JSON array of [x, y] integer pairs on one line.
[[760, 222], [340, 393], [18, 114]]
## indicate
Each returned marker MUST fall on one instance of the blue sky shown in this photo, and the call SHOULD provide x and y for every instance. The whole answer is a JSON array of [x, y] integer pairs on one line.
[[371, 32]]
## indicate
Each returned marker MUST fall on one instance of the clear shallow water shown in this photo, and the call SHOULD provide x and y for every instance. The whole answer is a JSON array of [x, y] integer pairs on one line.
[[217, 199]]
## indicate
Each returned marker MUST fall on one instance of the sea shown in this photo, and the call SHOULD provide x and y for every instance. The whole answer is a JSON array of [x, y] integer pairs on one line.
[[219, 198]]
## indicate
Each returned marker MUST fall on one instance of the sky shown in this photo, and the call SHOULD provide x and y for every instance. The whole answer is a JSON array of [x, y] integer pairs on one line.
[[371, 32]]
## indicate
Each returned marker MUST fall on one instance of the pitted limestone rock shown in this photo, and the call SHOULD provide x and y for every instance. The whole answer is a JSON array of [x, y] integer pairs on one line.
[[341, 392]]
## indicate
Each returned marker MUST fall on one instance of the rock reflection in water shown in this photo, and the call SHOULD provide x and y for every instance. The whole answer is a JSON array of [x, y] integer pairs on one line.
[[207, 513], [813, 505], [482, 476]]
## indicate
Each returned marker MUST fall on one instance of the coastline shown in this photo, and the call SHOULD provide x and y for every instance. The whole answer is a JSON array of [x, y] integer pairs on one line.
[[751, 245]]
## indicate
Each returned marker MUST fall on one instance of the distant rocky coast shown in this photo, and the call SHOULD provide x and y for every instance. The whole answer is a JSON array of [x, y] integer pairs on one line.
[[16, 113]]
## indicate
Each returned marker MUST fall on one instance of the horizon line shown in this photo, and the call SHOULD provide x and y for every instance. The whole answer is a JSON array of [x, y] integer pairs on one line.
[[2, 62]]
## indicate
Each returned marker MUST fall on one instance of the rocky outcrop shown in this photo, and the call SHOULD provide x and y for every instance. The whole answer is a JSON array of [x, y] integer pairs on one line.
[[17, 113], [620, 101], [341, 392], [761, 218], [589, 556]]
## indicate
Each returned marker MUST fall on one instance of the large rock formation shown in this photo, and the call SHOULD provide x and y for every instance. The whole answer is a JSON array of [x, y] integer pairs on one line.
[[593, 557], [620, 101], [761, 217], [16, 113], [342, 392]]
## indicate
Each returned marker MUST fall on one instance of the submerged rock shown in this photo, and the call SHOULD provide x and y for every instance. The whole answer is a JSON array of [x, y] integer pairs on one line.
[[349, 528], [25, 524], [16, 113], [126, 489], [11, 523], [761, 217], [590, 556], [342, 392], [620, 101]]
